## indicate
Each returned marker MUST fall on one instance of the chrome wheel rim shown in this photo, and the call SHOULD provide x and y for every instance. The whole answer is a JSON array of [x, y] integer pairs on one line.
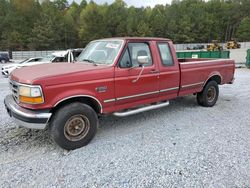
[[211, 94], [76, 127]]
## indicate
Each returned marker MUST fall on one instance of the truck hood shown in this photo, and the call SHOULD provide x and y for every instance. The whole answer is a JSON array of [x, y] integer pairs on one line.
[[29, 75]]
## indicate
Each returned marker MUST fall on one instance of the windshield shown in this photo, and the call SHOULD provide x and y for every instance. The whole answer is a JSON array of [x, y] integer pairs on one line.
[[101, 52]]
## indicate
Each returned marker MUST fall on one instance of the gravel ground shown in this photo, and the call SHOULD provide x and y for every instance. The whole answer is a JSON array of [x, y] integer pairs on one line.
[[183, 145]]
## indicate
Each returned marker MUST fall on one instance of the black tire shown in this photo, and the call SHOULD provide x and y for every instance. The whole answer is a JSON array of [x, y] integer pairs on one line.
[[209, 95], [3, 61], [73, 125]]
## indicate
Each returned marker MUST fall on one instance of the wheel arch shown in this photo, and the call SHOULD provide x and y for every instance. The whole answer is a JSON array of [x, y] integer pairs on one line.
[[214, 77], [86, 99]]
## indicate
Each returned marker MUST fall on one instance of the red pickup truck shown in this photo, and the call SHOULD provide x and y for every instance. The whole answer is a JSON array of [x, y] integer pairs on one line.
[[119, 76]]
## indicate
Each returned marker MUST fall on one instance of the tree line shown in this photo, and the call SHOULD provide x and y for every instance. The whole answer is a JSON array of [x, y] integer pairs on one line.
[[50, 25]]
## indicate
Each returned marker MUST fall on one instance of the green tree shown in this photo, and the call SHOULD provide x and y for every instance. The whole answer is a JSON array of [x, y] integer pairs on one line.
[[143, 30], [47, 24], [92, 25], [71, 23], [49, 30], [115, 18], [61, 4], [83, 4], [19, 17], [138, 22], [43, 36], [158, 21], [243, 32], [12, 40]]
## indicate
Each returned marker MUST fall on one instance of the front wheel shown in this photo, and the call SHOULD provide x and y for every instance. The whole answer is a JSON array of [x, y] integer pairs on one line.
[[74, 125], [209, 95]]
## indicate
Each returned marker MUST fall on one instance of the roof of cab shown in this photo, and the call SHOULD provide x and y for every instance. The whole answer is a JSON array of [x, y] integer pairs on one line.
[[138, 38]]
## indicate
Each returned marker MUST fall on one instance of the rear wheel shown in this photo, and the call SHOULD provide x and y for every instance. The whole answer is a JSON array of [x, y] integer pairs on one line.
[[74, 125], [209, 95]]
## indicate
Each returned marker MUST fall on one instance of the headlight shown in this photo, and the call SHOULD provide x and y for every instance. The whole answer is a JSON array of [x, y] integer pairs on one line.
[[30, 94], [30, 91]]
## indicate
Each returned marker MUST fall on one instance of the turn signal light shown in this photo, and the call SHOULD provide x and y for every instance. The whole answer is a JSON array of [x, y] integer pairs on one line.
[[31, 100]]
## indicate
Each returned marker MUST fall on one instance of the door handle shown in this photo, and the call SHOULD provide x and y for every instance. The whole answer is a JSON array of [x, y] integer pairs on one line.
[[154, 71]]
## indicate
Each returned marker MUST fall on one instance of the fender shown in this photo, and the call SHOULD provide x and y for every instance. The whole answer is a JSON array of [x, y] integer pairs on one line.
[[216, 73], [74, 94]]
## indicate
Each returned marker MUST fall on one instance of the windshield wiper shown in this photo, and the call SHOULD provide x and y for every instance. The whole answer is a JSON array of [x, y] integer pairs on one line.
[[90, 61]]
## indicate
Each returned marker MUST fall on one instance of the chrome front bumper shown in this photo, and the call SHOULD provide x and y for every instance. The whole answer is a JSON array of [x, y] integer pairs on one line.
[[24, 117]]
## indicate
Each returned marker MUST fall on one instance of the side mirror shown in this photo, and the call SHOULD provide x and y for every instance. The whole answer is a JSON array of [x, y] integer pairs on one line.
[[142, 60]]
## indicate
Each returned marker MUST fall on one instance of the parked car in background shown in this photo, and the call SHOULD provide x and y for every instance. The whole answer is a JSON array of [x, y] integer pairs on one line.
[[4, 57], [197, 47], [61, 56], [69, 55], [7, 69], [56, 57], [76, 52]]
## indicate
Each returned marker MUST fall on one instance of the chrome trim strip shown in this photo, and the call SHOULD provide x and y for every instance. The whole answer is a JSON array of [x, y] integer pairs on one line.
[[169, 89], [138, 95], [74, 96], [215, 74], [191, 85], [109, 100]]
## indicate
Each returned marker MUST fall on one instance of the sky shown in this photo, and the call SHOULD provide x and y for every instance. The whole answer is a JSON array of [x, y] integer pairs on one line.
[[136, 3]]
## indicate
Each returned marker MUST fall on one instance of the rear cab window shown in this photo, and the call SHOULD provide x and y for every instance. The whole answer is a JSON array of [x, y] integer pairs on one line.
[[165, 54]]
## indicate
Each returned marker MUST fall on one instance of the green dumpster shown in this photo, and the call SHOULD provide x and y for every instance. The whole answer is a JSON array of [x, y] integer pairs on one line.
[[225, 55], [248, 59], [204, 54]]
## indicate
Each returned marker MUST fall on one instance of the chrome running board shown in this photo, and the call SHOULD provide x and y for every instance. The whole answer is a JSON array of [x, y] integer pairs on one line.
[[142, 109]]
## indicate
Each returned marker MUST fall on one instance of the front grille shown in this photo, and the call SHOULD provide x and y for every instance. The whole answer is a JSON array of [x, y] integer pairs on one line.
[[14, 90]]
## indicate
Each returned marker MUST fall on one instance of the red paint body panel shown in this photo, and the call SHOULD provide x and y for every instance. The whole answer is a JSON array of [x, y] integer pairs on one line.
[[124, 86], [169, 76], [200, 71], [61, 81]]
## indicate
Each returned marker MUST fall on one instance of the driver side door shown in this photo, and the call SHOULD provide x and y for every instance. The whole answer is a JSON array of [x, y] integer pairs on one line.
[[130, 88]]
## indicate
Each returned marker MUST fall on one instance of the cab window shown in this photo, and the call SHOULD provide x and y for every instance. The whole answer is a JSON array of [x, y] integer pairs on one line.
[[166, 55], [130, 55], [125, 60]]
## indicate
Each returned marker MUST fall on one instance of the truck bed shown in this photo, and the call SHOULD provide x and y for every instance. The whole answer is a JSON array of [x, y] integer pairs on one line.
[[196, 72], [198, 60]]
